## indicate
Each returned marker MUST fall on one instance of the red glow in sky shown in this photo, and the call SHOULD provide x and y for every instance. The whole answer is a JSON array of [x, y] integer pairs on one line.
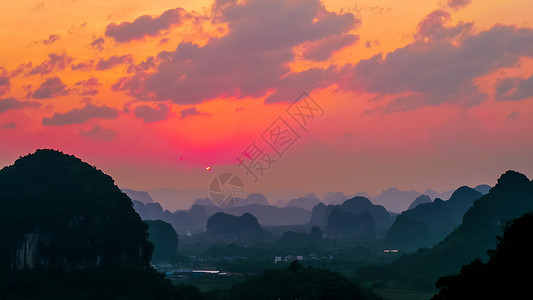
[[415, 95]]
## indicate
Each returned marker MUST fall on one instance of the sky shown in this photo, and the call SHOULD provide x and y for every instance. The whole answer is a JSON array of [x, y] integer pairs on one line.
[[306, 95]]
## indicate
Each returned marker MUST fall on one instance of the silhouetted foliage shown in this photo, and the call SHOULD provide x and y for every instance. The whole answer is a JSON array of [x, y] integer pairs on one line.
[[344, 224], [224, 226], [66, 212], [68, 232], [507, 274], [112, 281], [316, 232], [510, 198], [407, 231], [355, 206], [295, 282], [440, 217]]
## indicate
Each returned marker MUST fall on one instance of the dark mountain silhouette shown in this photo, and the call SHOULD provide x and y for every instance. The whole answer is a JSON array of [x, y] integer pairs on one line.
[[341, 223], [57, 210], [419, 200], [441, 217], [195, 218], [407, 231], [439, 212], [510, 198], [165, 240], [229, 227], [180, 221], [155, 211], [301, 240], [396, 200], [434, 194], [358, 205], [140, 208], [306, 202], [142, 196], [267, 215], [319, 215], [506, 275], [355, 206], [483, 188], [68, 232], [295, 282]]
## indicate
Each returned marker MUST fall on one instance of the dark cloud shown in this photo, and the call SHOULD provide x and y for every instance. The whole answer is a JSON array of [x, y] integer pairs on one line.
[[294, 84], [151, 114], [113, 61], [28, 89], [441, 66], [98, 44], [134, 85], [12, 103], [88, 87], [98, 133], [11, 125], [455, 4], [51, 39], [51, 87], [145, 25], [370, 44], [81, 115], [4, 85], [434, 27], [250, 61], [55, 62], [74, 29], [83, 66], [20, 68], [191, 112], [164, 41], [323, 49], [514, 88], [148, 64]]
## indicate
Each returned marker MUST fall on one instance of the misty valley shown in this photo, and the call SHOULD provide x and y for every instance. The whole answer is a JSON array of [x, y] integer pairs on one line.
[[68, 232]]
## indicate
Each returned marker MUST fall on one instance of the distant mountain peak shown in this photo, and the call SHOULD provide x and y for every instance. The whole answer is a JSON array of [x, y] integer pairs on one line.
[[512, 180], [359, 200], [464, 192], [419, 200]]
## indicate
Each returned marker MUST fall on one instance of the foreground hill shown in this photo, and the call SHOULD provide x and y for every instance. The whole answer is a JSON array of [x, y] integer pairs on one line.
[[507, 274], [510, 198], [295, 282], [57, 210], [68, 232]]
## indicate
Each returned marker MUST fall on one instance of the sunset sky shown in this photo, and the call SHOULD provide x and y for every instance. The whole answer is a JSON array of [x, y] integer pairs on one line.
[[413, 94]]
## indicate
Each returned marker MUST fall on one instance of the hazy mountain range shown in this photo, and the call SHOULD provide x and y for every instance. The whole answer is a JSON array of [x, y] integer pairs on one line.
[[392, 199], [483, 221]]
